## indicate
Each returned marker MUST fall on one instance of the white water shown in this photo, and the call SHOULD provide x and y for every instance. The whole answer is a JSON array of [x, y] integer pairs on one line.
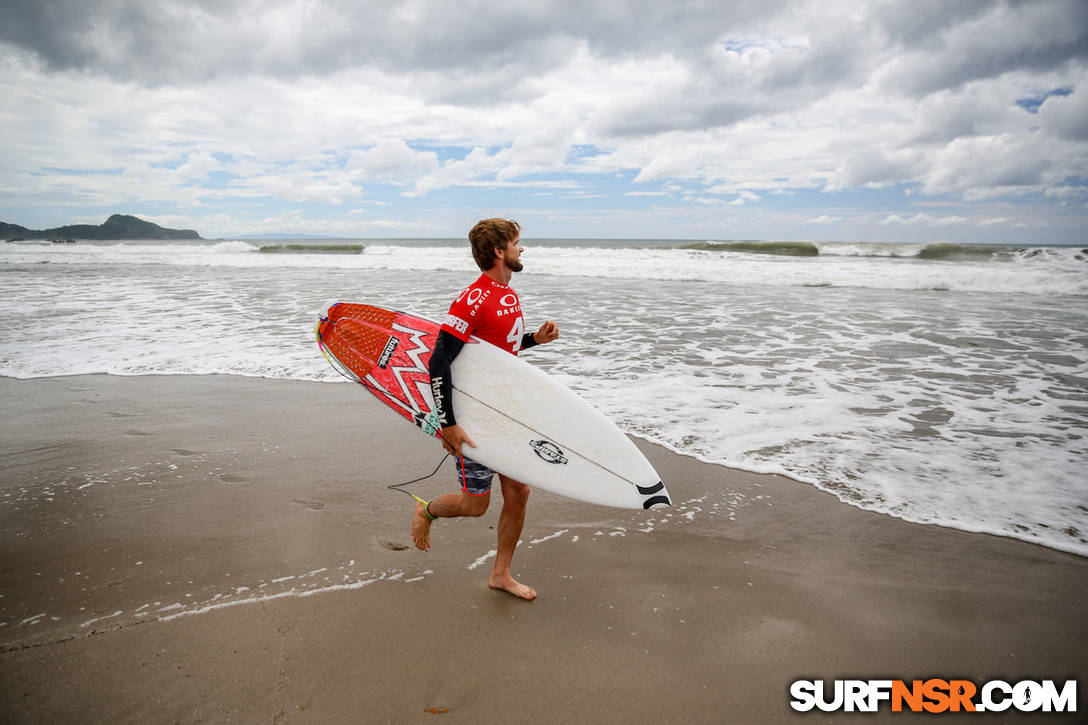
[[951, 392]]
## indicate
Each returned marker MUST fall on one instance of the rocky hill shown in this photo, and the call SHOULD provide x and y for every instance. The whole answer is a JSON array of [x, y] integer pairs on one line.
[[118, 226]]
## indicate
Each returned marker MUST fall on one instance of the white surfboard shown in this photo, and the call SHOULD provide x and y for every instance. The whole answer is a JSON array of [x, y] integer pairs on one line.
[[525, 423]]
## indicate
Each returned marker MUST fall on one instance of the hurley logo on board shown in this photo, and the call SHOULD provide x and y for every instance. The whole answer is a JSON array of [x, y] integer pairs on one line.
[[390, 348]]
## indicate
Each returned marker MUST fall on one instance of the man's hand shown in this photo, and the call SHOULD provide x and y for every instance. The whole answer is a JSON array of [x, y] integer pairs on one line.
[[548, 331], [452, 438]]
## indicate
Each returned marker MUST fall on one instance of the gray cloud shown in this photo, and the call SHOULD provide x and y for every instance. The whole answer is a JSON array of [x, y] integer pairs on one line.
[[171, 41], [922, 23], [679, 111], [1022, 36], [480, 52], [1067, 116]]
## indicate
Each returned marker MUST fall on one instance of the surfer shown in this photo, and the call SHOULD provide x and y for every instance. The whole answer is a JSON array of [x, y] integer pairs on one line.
[[489, 309]]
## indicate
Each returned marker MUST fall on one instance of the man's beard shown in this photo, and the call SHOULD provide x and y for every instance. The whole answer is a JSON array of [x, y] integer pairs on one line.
[[515, 265]]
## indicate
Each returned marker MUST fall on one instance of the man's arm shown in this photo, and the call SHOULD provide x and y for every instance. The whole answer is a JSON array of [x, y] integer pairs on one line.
[[446, 349], [548, 331]]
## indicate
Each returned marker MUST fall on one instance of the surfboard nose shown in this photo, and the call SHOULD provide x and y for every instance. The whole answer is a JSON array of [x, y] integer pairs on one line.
[[356, 335]]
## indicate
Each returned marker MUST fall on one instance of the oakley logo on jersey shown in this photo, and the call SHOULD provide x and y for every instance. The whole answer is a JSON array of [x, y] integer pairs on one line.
[[490, 311]]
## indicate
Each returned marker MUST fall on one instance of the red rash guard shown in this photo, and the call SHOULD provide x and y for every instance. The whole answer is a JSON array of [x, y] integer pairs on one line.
[[488, 310]]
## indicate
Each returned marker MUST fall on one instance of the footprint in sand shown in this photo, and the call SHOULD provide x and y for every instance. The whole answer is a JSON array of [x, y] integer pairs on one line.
[[136, 433], [230, 478], [182, 452], [310, 505], [394, 546]]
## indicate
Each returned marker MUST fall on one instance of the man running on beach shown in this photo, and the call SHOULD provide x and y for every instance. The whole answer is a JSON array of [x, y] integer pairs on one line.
[[489, 309]]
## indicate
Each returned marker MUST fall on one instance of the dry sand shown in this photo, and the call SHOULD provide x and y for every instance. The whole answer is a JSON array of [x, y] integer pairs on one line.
[[219, 549]]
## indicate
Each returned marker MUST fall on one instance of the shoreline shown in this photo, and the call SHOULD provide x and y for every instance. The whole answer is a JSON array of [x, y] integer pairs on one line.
[[212, 547], [729, 469], [858, 506]]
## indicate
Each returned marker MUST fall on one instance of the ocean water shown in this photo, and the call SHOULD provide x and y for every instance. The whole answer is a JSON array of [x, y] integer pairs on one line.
[[940, 384]]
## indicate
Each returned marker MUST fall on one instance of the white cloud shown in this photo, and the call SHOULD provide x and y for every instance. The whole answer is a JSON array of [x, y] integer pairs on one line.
[[308, 103], [923, 218], [476, 164], [198, 166], [297, 221], [988, 166], [298, 187], [391, 160], [874, 167]]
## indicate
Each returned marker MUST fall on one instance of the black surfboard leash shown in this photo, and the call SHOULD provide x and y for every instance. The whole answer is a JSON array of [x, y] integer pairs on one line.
[[398, 486]]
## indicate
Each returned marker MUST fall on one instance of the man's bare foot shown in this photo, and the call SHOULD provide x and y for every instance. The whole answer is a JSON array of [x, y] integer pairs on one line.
[[510, 585], [421, 528]]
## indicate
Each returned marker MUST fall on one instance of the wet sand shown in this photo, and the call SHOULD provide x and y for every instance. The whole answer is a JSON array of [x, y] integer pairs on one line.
[[213, 549]]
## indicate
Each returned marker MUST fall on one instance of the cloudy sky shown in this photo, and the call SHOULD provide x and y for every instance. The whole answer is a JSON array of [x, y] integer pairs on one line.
[[919, 120]]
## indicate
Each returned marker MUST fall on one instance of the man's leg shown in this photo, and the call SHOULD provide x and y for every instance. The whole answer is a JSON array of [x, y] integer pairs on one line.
[[515, 496], [447, 506]]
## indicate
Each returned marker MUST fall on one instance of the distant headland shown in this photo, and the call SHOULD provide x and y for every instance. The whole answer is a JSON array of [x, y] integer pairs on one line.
[[118, 226]]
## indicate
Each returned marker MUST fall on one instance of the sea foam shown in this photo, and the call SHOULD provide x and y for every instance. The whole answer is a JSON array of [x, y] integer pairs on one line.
[[947, 391]]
